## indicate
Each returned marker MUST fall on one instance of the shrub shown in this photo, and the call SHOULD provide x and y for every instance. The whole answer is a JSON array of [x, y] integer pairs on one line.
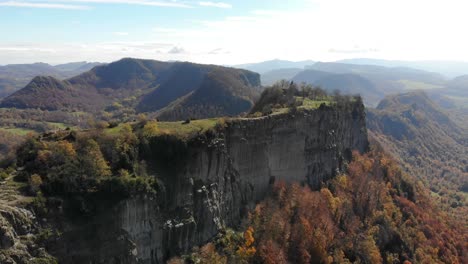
[[35, 182], [3, 175]]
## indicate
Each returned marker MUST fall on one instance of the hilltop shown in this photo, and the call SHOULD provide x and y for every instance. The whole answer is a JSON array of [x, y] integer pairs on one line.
[[145, 86], [15, 76]]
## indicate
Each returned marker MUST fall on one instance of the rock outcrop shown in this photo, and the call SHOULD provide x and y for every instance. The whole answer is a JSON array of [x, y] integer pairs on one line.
[[215, 180], [209, 182]]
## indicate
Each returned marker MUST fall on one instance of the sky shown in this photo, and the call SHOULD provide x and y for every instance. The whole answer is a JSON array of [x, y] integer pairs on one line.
[[231, 32]]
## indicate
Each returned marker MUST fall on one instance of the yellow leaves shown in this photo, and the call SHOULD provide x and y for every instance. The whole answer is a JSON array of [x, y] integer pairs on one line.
[[66, 148], [150, 129], [370, 249], [247, 250], [342, 181], [44, 155], [333, 203], [248, 236]]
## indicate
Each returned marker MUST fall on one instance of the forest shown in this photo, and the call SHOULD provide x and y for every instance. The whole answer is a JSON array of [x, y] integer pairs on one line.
[[374, 213]]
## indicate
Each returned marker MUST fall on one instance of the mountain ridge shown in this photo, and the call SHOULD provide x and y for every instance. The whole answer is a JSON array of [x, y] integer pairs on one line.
[[152, 84]]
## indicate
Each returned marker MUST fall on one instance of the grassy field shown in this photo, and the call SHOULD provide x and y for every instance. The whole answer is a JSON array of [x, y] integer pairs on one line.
[[307, 104], [17, 131], [313, 104], [187, 130], [58, 125], [195, 127], [178, 128]]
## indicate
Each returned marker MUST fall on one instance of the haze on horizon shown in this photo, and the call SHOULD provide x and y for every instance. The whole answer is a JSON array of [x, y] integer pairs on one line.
[[231, 32]]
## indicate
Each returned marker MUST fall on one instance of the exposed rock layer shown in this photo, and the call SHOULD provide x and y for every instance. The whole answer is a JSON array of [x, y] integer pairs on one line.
[[222, 177], [214, 182]]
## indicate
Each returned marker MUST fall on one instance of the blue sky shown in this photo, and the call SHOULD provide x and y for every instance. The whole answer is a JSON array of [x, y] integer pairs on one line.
[[230, 32]]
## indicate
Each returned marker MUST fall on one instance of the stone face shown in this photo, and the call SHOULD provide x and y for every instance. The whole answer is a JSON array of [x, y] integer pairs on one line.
[[16, 225], [222, 178], [219, 179], [7, 238]]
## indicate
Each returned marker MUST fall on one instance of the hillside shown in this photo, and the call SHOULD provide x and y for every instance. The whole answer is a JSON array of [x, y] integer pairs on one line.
[[373, 213], [427, 142], [15, 76], [150, 190], [347, 83], [210, 101], [266, 66], [49, 93], [270, 77], [143, 86]]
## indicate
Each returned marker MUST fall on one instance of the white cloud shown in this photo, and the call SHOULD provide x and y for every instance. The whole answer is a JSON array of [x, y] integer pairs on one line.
[[42, 5], [215, 4], [176, 50], [324, 30]]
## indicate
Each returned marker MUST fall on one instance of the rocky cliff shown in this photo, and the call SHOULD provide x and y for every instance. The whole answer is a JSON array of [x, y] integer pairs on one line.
[[210, 182]]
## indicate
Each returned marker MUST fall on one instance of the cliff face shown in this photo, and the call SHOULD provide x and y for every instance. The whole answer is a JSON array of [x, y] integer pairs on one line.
[[213, 184], [224, 176]]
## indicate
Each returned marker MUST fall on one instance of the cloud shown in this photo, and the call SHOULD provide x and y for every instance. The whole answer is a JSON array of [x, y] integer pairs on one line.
[[176, 50], [219, 51], [215, 4], [43, 5]]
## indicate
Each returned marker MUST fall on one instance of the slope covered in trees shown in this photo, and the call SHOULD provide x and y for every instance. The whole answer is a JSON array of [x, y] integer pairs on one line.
[[144, 86], [374, 213], [428, 143]]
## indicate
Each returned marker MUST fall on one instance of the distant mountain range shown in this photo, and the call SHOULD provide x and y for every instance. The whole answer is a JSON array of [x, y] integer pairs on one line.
[[373, 79], [176, 90], [372, 82], [15, 76], [449, 69], [266, 66]]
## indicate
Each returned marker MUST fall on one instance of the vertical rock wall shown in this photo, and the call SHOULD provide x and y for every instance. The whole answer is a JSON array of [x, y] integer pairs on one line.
[[223, 177]]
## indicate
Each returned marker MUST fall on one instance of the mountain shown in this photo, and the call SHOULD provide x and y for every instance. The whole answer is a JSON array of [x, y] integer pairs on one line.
[[299, 186], [81, 66], [427, 142], [266, 66], [380, 73], [351, 84], [371, 81], [310, 76], [49, 93], [145, 193], [15, 76], [236, 96], [270, 77], [145, 86], [450, 69], [348, 83]]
